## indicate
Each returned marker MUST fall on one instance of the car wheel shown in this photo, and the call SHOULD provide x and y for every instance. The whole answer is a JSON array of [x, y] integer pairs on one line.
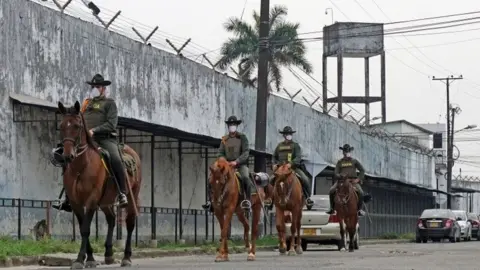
[[304, 245]]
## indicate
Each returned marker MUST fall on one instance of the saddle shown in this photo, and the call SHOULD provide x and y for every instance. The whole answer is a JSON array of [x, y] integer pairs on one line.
[[128, 161]]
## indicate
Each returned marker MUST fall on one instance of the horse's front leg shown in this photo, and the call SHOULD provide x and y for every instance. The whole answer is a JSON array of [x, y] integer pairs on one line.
[[351, 234], [246, 227], [110, 218], [227, 219], [341, 246], [280, 222], [85, 220], [293, 232], [299, 249], [256, 211]]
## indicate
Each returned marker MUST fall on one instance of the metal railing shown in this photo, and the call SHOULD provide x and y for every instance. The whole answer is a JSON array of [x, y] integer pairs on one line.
[[21, 215]]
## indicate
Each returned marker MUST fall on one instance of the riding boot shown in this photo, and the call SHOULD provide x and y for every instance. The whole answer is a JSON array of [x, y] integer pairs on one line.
[[120, 178], [332, 204], [361, 213], [269, 197], [208, 204], [306, 192], [65, 204], [246, 203]]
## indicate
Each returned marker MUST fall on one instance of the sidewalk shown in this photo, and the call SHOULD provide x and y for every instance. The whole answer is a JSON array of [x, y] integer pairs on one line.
[[65, 259]]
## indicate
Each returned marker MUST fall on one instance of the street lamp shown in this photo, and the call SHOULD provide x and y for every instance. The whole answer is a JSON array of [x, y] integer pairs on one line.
[[331, 12], [467, 127], [364, 123]]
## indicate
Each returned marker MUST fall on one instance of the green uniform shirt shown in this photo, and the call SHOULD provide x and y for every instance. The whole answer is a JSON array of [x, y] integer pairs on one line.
[[348, 167], [101, 115], [288, 151], [235, 148]]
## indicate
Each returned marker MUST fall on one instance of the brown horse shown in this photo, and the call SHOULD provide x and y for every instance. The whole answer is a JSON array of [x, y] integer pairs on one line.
[[346, 201], [287, 194], [88, 186], [225, 187]]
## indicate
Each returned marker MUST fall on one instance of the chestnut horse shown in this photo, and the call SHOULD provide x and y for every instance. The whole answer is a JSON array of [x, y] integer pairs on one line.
[[225, 187], [88, 185], [346, 201], [288, 196]]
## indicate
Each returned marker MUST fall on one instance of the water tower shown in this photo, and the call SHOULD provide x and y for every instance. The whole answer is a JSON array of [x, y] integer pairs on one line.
[[354, 40]]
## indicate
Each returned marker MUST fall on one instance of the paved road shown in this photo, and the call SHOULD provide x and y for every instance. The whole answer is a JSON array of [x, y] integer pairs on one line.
[[436, 256]]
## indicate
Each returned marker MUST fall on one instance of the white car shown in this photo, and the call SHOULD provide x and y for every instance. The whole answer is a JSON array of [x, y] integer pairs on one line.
[[465, 225], [318, 227]]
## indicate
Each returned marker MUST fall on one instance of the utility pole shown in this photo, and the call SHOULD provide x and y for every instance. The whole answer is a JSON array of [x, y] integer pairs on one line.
[[262, 89], [448, 81]]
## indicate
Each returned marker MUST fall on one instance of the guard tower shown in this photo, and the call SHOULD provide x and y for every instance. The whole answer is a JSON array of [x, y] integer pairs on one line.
[[353, 40]]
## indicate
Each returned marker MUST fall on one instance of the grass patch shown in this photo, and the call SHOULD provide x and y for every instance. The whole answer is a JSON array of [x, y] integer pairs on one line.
[[11, 247]]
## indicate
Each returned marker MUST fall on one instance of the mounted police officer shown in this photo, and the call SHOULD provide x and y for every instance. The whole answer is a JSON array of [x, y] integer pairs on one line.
[[101, 117], [348, 166], [234, 148], [291, 152]]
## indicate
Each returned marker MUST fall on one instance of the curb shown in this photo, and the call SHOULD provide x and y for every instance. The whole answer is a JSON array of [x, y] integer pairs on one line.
[[67, 259], [366, 242]]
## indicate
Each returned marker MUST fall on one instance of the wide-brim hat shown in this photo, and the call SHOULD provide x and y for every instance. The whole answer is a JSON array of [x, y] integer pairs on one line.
[[233, 120], [287, 130], [346, 147], [98, 80]]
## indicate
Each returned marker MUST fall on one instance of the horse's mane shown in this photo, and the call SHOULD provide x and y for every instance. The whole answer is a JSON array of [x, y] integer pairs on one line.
[[283, 171], [222, 163], [90, 142]]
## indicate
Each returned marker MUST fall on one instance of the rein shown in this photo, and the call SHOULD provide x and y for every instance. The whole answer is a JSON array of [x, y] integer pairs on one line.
[[78, 148], [281, 185], [220, 199], [342, 198]]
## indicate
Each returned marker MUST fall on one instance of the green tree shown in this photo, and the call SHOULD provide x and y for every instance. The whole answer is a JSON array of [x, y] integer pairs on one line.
[[286, 49]]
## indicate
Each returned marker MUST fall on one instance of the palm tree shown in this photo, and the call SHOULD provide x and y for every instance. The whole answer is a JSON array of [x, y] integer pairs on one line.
[[286, 49]]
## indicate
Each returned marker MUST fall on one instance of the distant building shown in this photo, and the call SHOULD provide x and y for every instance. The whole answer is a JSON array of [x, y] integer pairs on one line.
[[409, 134], [427, 137]]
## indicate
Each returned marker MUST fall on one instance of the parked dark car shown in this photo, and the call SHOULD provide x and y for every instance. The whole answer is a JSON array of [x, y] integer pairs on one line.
[[437, 224], [475, 221]]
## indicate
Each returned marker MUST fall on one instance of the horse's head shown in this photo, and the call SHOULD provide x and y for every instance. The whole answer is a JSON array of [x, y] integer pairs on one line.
[[72, 130], [344, 189], [283, 181], [221, 172]]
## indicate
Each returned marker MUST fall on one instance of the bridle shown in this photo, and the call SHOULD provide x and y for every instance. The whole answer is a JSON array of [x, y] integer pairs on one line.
[[344, 197], [78, 147], [280, 185], [224, 188]]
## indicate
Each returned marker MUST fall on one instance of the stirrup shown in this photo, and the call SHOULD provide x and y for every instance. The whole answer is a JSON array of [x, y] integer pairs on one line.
[[206, 206], [246, 204]]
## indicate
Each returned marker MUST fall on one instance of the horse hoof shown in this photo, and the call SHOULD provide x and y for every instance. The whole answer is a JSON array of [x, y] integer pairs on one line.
[[350, 250], [77, 265], [126, 263], [221, 258], [109, 260], [91, 264], [282, 251], [299, 251], [292, 253], [251, 257], [342, 249]]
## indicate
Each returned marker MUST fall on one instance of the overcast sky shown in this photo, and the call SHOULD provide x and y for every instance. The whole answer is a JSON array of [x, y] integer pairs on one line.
[[411, 60]]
